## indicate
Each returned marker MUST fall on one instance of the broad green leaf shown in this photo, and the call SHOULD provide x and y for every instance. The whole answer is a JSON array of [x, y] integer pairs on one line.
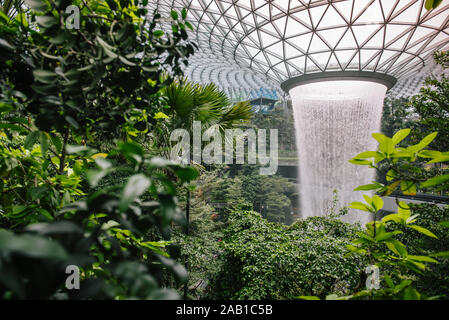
[[45, 141], [422, 258], [444, 157], [442, 254], [356, 249], [408, 187], [368, 199], [411, 294], [386, 235], [388, 280], [367, 154], [130, 148], [174, 15], [33, 246], [37, 5], [6, 44], [400, 135], [56, 142], [432, 4], [402, 285], [160, 115], [189, 25], [429, 154], [46, 214], [38, 192], [391, 188], [187, 173], [427, 140], [435, 180], [377, 203], [360, 162], [392, 217], [444, 223], [423, 231], [397, 247], [135, 187], [404, 154], [391, 174], [158, 33], [360, 206], [379, 137], [45, 76], [416, 266], [367, 187], [31, 139], [308, 298], [46, 21], [387, 146]]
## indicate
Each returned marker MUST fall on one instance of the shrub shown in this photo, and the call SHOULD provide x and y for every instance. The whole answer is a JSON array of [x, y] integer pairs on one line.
[[264, 260], [435, 281]]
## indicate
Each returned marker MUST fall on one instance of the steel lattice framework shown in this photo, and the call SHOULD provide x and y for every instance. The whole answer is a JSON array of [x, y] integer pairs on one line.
[[265, 42]]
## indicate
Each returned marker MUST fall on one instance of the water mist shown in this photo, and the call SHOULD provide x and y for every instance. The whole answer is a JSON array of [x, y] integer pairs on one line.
[[334, 121]]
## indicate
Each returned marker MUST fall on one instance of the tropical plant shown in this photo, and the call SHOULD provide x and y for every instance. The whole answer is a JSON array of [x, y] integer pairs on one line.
[[189, 101], [63, 90], [434, 282], [379, 241], [432, 106], [432, 4], [264, 260], [399, 163]]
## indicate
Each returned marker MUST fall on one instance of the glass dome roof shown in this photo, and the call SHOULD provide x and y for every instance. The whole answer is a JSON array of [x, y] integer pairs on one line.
[[255, 43]]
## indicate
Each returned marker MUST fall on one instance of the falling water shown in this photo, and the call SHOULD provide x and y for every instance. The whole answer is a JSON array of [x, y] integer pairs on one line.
[[334, 121]]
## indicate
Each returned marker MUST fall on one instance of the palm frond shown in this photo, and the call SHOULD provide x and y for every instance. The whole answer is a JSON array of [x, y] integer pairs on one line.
[[239, 113], [206, 103]]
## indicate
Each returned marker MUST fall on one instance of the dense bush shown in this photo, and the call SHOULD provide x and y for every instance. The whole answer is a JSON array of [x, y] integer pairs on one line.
[[62, 93], [264, 260], [434, 282], [241, 186]]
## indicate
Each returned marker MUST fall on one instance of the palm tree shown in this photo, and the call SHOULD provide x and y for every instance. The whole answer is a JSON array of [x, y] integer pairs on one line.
[[206, 103], [190, 101]]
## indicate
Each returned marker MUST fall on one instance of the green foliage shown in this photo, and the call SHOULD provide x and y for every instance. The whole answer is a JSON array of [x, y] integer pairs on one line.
[[264, 260], [62, 92], [281, 119], [397, 115], [434, 282], [380, 239], [206, 103], [432, 4], [103, 233], [242, 187], [432, 107], [95, 78], [442, 58], [399, 163]]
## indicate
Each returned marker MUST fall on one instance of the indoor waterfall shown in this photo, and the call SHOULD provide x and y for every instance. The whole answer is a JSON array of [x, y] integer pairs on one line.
[[334, 121]]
